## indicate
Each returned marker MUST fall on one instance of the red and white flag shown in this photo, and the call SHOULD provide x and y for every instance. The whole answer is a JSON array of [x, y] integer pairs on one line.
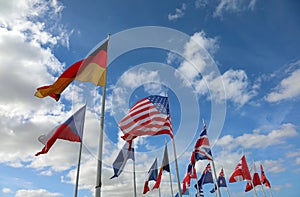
[[255, 179], [241, 171], [264, 179], [149, 116]]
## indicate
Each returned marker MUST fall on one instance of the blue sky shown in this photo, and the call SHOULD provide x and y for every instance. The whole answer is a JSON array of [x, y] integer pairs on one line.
[[234, 63]]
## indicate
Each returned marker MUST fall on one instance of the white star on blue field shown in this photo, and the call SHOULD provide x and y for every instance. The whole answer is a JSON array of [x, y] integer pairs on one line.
[[233, 64]]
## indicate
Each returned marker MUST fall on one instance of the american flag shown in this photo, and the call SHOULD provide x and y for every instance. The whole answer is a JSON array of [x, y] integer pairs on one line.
[[149, 116], [202, 149]]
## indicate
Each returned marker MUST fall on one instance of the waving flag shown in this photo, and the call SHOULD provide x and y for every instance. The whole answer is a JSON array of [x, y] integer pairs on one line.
[[70, 130], [126, 153], [205, 178], [190, 174], [202, 149], [264, 179], [241, 171], [91, 69], [255, 179], [221, 181], [152, 176], [149, 116], [164, 166]]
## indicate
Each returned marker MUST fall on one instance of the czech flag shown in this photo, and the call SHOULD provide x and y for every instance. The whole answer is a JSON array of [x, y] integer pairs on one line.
[[91, 69], [71, 130]]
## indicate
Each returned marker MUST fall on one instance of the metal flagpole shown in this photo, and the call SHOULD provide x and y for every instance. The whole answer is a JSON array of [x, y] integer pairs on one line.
[[226, 184], [214, 168], [100, 145], [253, 188], [134, 181], [262, 188], [198, 189], [175, 159], [171, 186], [227, 191], [159, 194], [78, 168], [271, 191], [176, 167]]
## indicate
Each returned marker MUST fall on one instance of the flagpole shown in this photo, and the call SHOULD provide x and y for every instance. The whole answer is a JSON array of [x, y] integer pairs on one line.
[[176, 167], [78, 169], [134, 181], [271, 191], [171, 186], [159, 194], [175, 158], [262, 189], [100, 145], [227, 190], [214, 168], [198, 189], [253, 188]]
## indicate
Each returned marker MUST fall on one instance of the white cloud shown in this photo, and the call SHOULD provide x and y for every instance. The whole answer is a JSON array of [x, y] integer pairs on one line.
[[233, 6], [6, 190], [236, 84], [255, 140], [131, 80], [293, 153], [287, 89], [179, 12], [233, 85], [36, 193]]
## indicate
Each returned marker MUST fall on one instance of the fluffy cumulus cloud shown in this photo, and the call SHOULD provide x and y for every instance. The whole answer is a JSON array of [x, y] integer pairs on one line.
[[127, 83], [257, 140], [199, 70], [228, 148], [27, 62], [288, 87], [179, 12], [233, 6]]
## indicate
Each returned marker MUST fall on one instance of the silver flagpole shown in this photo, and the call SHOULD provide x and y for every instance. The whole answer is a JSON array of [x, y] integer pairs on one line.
[[226, 184], [175, 158], [100, 145], [271, 191], [253, 188], [262, 188], [214, 168], [171, 186], [176, 167], [134, 181], [78, 169]]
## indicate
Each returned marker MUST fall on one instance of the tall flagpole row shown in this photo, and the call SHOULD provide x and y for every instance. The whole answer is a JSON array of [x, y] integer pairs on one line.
[[100, 145]]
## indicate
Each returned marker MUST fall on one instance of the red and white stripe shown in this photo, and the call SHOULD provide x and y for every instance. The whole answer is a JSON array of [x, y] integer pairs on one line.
[[144, 119]]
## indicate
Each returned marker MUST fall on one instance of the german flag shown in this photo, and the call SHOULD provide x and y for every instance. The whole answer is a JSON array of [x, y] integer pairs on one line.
[[91, 69]]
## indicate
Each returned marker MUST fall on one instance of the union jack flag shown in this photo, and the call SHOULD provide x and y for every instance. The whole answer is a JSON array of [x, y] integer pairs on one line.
[[149, 116], [202, 149]]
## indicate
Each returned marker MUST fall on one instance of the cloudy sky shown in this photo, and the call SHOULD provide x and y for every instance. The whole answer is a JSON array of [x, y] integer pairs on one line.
[[235, 64]]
